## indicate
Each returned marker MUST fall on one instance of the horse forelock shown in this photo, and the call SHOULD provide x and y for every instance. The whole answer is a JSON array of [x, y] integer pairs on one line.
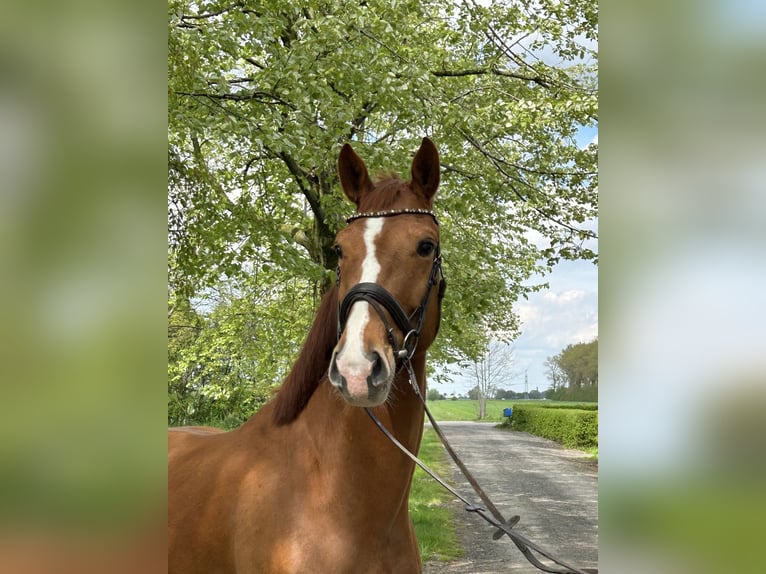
[[312, 363], [391, 192]]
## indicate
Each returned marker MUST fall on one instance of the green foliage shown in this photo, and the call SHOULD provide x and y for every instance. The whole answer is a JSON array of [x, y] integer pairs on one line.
[[574, 373], [574, 428], [580, 363], [261, 96], [587, 393], [509, 394], [569, 405], [434, 395], [226, 362]]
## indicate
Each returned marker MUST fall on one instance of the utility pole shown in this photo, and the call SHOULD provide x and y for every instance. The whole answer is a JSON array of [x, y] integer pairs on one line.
[[526, 385]]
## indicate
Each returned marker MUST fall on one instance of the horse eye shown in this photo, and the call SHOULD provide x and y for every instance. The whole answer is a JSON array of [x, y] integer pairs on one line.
[[338, 251], [425, 248]]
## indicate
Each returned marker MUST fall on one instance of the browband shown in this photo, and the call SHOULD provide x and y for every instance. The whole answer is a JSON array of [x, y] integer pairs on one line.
[[391, 213]]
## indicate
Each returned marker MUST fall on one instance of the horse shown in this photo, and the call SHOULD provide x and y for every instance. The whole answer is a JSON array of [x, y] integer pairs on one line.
[[308, 483]]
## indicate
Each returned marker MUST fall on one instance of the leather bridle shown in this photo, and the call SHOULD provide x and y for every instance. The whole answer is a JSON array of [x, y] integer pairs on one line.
[[380, 298]]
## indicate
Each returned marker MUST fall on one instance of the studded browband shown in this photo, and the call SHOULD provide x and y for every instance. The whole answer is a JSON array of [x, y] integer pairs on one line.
[[391, 213]]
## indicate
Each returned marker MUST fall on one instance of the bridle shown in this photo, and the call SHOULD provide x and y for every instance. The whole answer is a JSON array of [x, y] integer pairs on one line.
[[379, 298]]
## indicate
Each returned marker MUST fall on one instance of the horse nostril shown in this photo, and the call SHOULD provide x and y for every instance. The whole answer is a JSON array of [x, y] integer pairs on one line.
[[377, 375], [335, 377]]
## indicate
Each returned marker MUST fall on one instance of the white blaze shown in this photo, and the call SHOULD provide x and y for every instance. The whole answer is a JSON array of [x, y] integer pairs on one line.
[[353, 355]]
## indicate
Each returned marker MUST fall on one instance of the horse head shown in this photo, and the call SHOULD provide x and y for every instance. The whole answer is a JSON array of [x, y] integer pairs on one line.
[[389, 275]]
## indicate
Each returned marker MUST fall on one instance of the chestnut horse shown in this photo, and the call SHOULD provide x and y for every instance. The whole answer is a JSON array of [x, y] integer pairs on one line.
[[308, 483]]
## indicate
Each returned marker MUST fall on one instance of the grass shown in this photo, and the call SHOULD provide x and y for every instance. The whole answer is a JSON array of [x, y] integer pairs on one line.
[[431, 514], [593, 452], [467, 410], [710, 521]]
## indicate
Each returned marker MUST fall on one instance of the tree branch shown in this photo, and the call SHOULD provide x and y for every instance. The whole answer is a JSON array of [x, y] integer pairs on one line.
[[207, 176], [498, 163], [299, 174], [255, 62], [212, 14], [258, 96], [490, 71]]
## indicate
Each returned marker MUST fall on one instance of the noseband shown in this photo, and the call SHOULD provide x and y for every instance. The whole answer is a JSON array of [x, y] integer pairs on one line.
[[379, 298]]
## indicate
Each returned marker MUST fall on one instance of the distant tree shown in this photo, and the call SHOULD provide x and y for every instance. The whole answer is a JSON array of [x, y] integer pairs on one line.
[[506, 394], [555, 374], [577, 366], [580, 364], [434, 395], [489, 371]]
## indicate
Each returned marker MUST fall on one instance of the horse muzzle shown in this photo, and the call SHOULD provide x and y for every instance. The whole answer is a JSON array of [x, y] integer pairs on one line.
[[363, 380]]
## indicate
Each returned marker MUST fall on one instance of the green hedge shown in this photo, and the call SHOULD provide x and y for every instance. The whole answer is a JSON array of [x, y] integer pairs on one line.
[[574, 428], [578, 406]]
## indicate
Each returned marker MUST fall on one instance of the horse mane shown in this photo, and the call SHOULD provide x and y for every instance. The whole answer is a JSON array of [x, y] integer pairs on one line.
[[312, 363]]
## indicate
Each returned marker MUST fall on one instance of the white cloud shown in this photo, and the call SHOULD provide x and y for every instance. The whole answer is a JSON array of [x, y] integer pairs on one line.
[[564, 314], [528, 313], [564, 297], [537, 239]]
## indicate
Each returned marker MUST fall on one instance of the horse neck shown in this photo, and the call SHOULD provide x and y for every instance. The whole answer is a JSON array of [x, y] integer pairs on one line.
[[403, 413], [355, 453]]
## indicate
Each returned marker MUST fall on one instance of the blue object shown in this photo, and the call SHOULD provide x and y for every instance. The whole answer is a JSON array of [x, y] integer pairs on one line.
[[508, 412]]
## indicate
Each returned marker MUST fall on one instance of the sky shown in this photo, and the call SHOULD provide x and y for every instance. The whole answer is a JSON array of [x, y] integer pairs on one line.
[[564, 313]]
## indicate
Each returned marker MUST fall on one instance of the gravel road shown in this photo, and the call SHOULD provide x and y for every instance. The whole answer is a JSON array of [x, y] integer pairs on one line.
[[555, 490]]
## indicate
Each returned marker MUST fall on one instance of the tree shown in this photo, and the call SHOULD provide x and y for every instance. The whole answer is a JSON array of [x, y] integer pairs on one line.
[[434, 395], [580, 364], [262, 94], [491, 370], [577, 366], [226, 361], [555, 374]]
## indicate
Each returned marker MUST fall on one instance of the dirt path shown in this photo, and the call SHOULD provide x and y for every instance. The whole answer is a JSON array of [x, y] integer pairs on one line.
[[555, 490]]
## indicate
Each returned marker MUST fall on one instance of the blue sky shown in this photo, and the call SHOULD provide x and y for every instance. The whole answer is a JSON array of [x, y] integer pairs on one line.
[[565, 313]]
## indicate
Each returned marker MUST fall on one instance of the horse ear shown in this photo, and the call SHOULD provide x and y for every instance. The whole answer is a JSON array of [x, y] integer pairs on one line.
[[425, 170], [354, 178]]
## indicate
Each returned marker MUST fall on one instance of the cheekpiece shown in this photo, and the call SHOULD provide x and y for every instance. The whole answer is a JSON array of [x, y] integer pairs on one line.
[[391, 213]]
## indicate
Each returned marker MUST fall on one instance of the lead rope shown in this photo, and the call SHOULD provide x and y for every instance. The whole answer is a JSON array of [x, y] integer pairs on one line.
[[524, 545]]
